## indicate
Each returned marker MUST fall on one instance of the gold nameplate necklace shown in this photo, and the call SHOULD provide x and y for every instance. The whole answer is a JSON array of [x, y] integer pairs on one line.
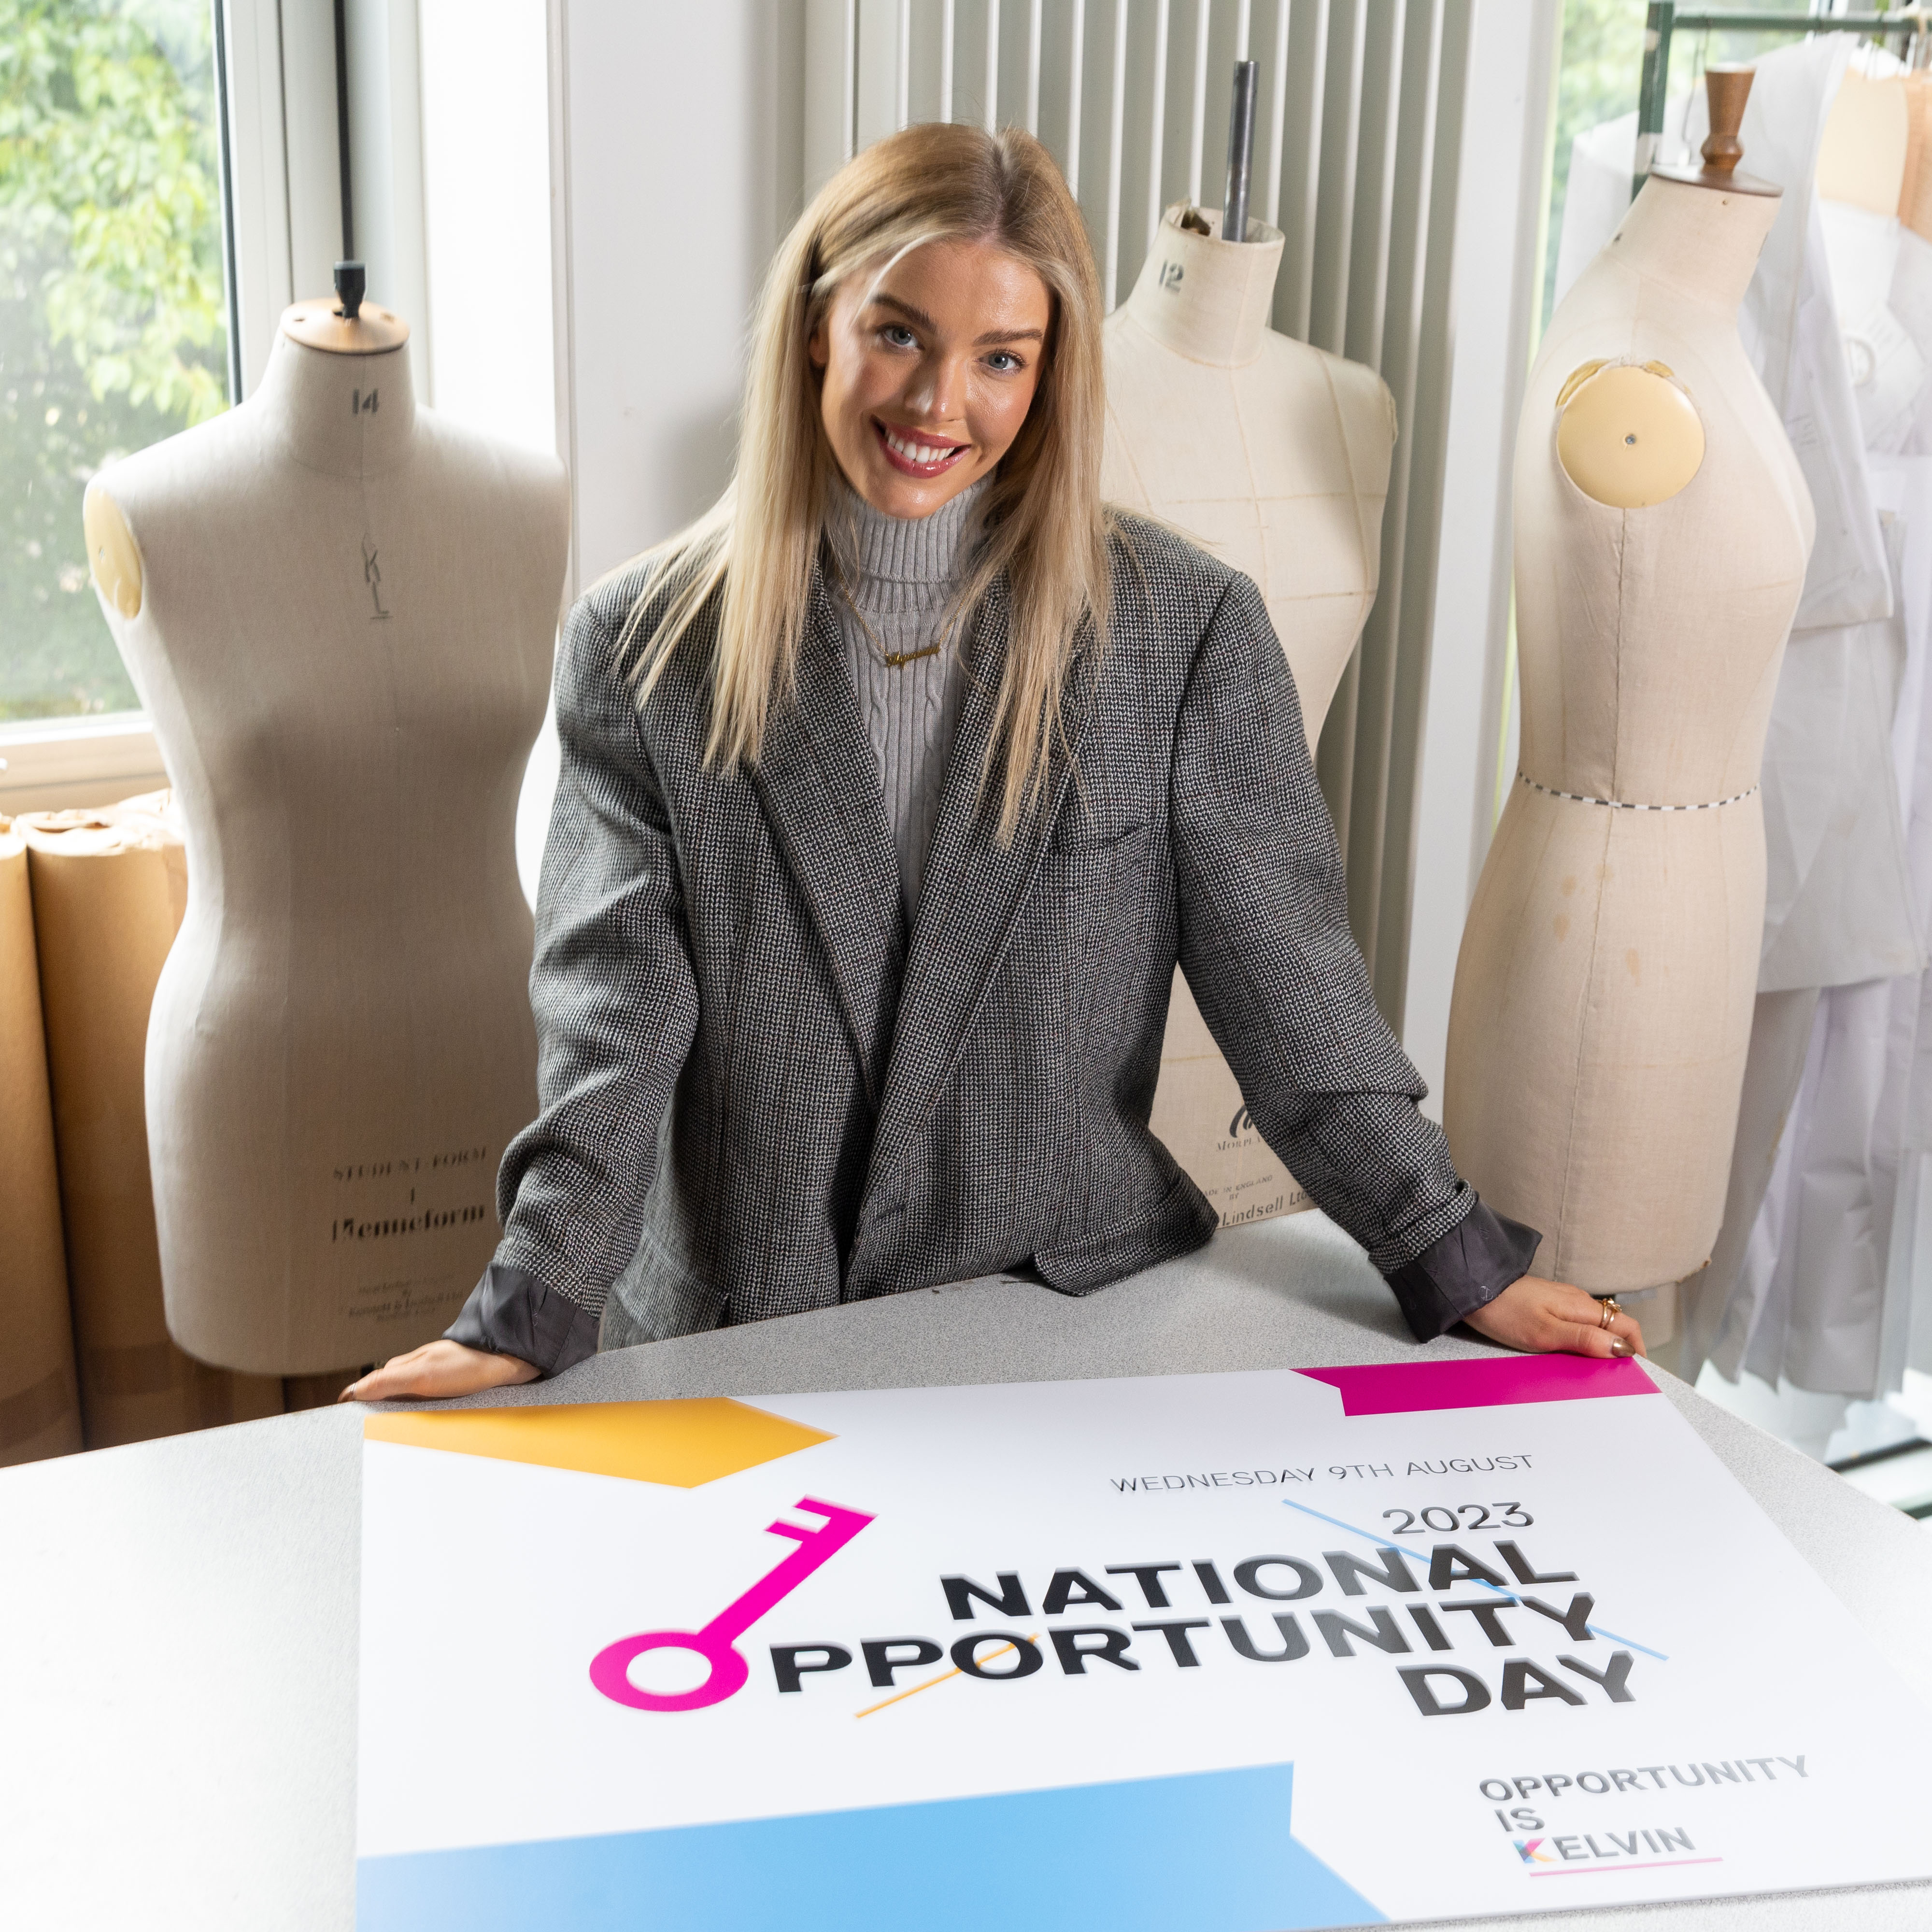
[[896, 659]]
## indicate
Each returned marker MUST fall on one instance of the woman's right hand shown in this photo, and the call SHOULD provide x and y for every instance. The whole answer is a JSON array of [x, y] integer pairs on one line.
[[438, 1369]]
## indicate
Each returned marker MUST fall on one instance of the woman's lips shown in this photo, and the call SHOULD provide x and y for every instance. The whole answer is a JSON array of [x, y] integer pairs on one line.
[[913, 454]]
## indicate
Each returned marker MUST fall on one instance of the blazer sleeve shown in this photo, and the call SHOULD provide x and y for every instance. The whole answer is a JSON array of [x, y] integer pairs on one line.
[[1265, 943], [616, 1003]]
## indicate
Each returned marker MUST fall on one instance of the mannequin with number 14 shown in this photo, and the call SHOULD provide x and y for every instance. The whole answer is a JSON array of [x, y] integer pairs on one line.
[[339, 610]]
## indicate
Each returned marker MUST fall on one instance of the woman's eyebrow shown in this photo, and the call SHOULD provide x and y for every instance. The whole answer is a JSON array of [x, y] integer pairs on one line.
[[918, 317], [879, 299]]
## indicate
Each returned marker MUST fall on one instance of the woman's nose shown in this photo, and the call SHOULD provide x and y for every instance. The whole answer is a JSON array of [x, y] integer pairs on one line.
[[938, 392]]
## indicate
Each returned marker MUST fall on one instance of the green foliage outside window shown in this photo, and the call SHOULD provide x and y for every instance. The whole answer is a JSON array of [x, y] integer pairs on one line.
[[113, 319]]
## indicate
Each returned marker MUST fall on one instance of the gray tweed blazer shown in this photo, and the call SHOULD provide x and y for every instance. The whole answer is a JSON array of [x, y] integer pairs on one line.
[[761, 1093]]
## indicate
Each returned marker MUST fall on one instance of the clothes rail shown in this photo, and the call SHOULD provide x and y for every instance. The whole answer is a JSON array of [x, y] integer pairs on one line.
[[1666, 19]]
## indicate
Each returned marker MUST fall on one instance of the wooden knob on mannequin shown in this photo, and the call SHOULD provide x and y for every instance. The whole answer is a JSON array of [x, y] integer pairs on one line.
[[1727, 89]]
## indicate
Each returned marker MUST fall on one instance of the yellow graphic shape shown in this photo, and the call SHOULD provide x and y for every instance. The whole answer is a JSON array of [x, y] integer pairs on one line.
[[681, 1443]]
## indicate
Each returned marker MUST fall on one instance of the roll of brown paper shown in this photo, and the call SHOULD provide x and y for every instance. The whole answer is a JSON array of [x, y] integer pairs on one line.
[[39, 1404], [109, 889]]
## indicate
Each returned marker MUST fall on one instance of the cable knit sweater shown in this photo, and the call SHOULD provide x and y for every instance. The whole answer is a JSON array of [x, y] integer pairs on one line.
[[897, 577]]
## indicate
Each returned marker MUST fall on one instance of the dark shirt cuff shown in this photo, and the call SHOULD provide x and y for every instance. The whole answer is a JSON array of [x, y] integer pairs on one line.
[[1463, 1270], [510, 1312]]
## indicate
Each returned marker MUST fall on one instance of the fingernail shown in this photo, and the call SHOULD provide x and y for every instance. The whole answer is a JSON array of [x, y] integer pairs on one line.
[[1618, 1346]]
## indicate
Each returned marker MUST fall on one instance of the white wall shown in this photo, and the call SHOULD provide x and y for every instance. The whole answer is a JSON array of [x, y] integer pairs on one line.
[[1500, 199], [679, 159], [385, 158], [603, 182], [486, 345], [491, 360]]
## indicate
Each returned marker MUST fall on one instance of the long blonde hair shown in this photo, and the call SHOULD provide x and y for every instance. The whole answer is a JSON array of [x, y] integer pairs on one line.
[[1044, 527]]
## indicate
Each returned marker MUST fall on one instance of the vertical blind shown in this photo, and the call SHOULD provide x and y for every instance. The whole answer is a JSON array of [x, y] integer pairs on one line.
[[1358, 131]]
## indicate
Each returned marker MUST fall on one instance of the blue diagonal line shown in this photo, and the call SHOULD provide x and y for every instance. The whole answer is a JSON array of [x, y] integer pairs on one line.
[[1598, 1630], [1380, 1542], [1383, 1543]]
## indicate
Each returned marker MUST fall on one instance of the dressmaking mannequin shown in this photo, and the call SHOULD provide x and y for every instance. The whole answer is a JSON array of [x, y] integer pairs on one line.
[[340, 611], [1603, 996], [1274, 456]]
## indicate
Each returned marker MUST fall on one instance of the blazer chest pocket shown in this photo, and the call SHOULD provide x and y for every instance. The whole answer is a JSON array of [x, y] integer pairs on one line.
[[1082, 852]]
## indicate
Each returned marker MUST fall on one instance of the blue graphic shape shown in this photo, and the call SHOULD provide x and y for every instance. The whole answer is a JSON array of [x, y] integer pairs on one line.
[[1474, 1582], [1210, 1852]]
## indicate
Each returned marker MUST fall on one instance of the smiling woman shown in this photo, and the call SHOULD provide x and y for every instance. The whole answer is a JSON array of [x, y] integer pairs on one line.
[[884, 309], [892, 791], [923, 399]]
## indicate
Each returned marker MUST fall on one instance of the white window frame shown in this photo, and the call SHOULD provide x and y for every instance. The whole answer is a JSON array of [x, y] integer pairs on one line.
[[282, 187]]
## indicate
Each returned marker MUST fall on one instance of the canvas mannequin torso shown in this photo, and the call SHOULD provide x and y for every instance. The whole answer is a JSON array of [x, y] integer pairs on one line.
[[1603, 995], [1275, 456], [340, 616]]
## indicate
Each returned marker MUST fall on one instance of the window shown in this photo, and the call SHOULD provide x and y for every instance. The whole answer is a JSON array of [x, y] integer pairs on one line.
[[114, 329]]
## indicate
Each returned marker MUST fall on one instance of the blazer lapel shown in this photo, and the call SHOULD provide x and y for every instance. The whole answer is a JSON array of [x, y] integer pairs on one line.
[[973, 890], [818, 782]]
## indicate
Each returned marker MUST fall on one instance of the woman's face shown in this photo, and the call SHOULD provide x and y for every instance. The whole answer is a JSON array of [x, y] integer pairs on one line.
[[928, 371]]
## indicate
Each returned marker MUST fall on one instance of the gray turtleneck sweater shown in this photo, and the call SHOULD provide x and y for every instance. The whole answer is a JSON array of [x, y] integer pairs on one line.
[[899, 576]]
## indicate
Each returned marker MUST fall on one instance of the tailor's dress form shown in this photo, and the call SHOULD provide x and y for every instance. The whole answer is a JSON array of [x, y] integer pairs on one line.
[[1603, 996], [1272, 454], [1275, 456], [345, 640]]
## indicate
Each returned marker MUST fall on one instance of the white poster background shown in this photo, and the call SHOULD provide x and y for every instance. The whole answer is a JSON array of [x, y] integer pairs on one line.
[[488, 1586]]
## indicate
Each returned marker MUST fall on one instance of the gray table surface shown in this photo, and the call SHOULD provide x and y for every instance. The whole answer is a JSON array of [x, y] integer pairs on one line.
[[178, 1621]]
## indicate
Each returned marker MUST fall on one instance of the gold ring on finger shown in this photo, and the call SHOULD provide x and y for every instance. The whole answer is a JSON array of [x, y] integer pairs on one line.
[[1611, 1310]]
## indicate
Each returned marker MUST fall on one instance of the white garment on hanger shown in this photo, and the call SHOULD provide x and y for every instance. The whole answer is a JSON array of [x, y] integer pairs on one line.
[[1821, 1291], [1887, 371], [1838, 907]]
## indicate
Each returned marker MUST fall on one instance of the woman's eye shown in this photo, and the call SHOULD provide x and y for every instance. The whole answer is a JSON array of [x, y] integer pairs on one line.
[[1004, 362], [897, 335]]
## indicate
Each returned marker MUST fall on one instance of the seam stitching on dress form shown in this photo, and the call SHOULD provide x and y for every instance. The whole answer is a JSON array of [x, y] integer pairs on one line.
[[1133, 468], [1254, 485], [1354, 497], [1632, 805]]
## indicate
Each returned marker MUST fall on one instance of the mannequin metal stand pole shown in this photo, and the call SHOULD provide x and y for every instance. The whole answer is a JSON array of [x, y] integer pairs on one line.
[[1240, 152], [350, 278]]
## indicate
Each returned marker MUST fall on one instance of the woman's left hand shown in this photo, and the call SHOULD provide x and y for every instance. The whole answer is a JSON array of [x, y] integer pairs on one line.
[[438, 1370], [1543, 1317]]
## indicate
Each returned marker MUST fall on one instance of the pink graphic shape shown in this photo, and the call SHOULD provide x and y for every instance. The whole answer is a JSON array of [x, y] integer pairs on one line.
[[610, 1668], [1489, 1381]]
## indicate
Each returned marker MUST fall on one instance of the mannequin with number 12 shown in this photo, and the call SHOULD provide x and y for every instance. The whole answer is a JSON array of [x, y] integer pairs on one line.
[[1274, 456]]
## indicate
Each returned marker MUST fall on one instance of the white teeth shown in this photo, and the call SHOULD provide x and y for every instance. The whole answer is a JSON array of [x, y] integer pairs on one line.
[[917, 452]]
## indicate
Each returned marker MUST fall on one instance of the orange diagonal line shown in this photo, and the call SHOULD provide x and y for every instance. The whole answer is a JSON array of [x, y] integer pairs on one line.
[[899, 1697]]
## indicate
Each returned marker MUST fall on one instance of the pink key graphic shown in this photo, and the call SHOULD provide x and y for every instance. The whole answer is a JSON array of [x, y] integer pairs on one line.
[[610, 1668]]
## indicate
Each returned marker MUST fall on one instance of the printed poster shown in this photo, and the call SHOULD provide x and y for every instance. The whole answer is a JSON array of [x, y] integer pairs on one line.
[[1236, 1652]]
